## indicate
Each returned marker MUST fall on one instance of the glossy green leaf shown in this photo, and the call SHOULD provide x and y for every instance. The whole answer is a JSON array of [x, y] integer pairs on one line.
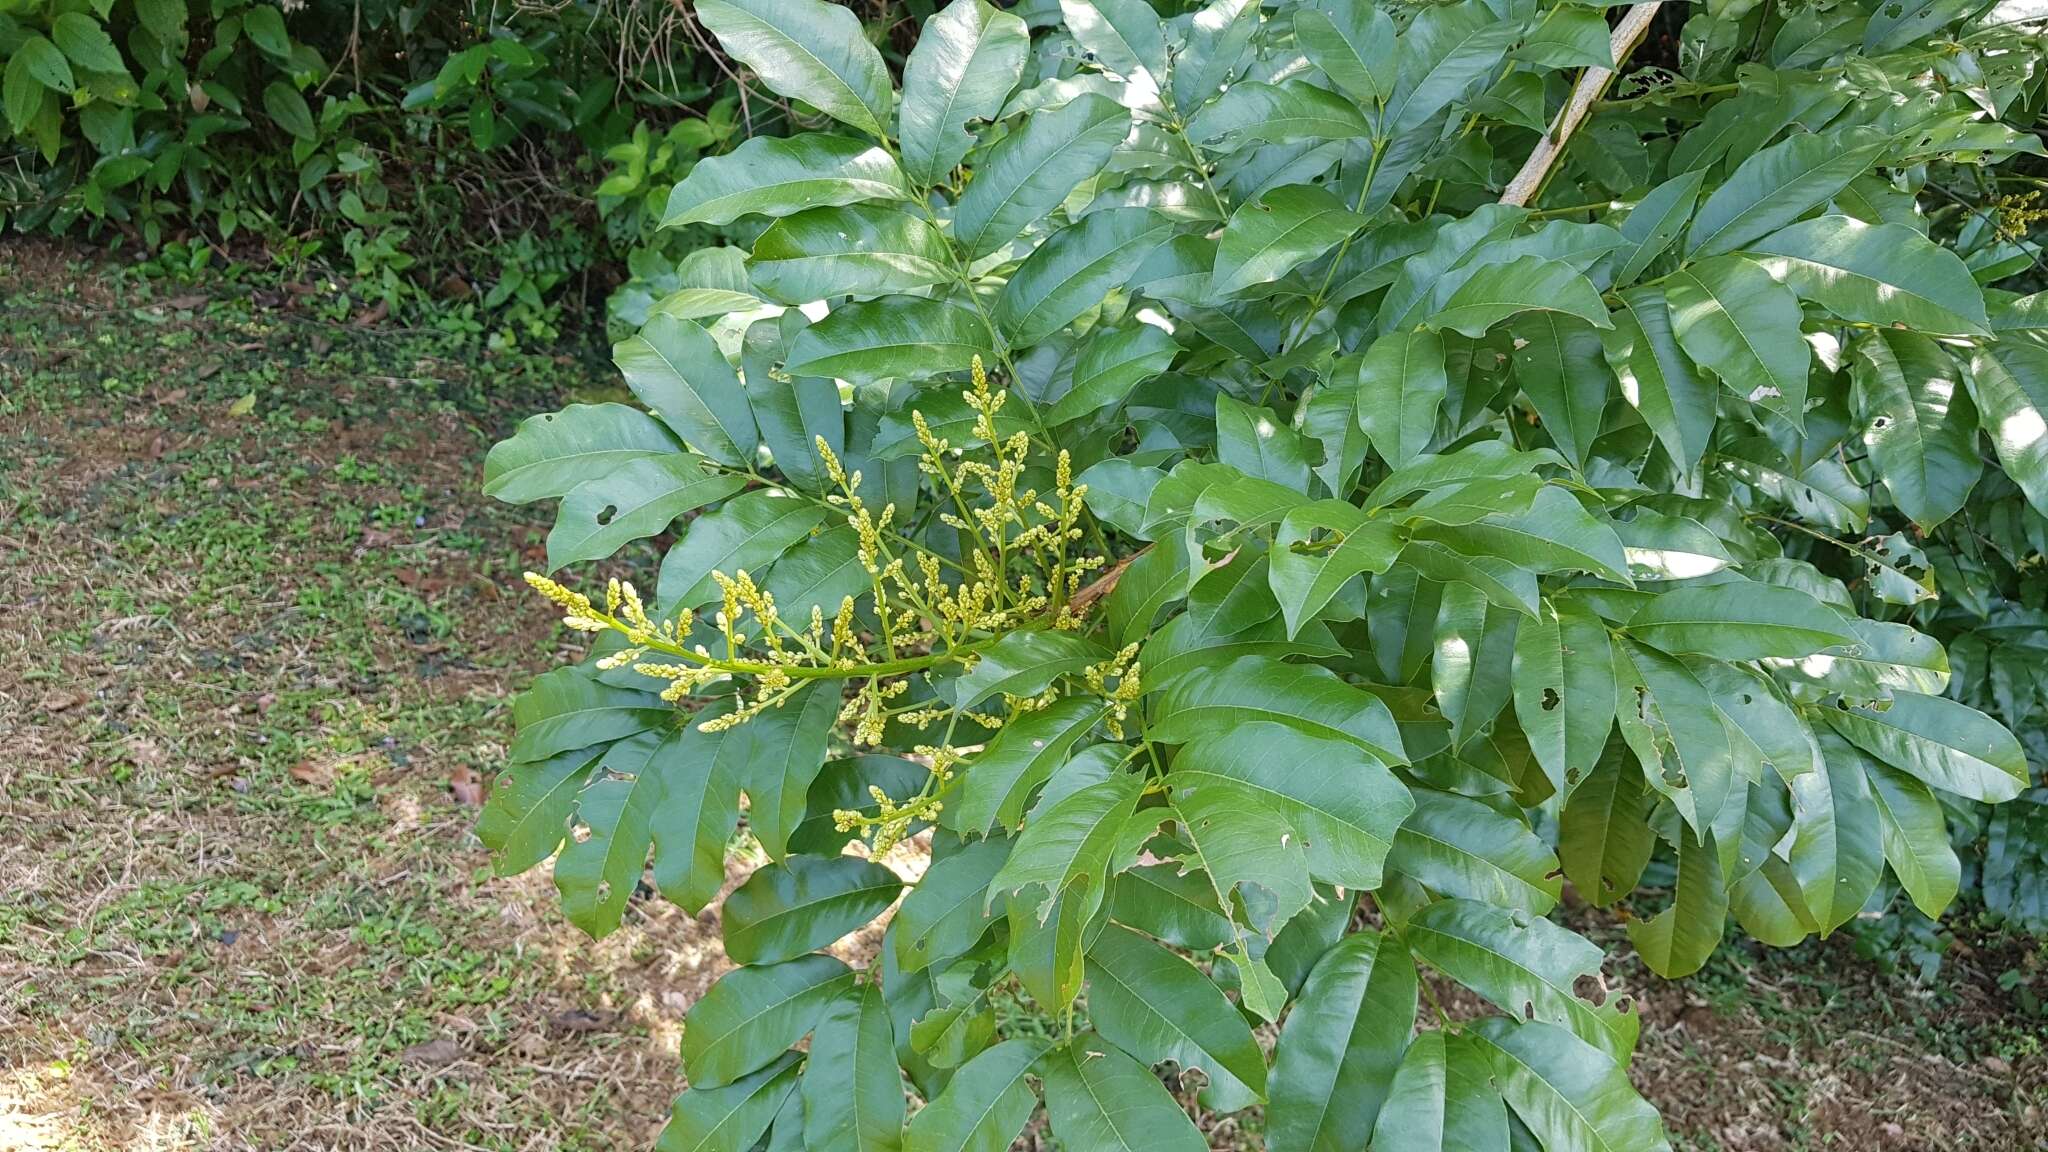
[[1603, 835], [1345, 814], [1776, 186], [1002, 778], [1918, 423], [1354, 46], [1741, 325], [682, 377], [731, 1118], [1527, 966], [782, 176], [1678, 940], [852, 1092], [892, 337], [1335, 1062], [859, 250], [1030, 172], [1074, 269], [566, 709], [2010, 385], [1739, 620], [637, 499], [1268, 237], [1570, 1094], [1461, 847], [1307, 698], [807, 50], [802, 905], [1884, 274], [1400, 387], [1099, 1098], [1948, 745], [1158, 1007], [1560, 362], [1320, 547], [1530, 284], [1657, 377], [968, 58], [985, 1105], [1564, 692], [1916, 842], [746, 534], [751, 1015], [552, 453], [1110, 365]]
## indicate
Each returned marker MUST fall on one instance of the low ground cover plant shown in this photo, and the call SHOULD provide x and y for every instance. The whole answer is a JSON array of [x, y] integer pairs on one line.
[[1271, 493]]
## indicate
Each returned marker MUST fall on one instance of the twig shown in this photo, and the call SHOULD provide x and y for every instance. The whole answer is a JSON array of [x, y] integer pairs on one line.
[[1592, 82]]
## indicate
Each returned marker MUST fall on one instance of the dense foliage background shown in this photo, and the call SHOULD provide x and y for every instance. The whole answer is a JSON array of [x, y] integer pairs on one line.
[[445, 157]]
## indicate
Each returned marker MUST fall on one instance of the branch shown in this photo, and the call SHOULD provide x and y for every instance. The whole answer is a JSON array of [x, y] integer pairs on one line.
[[1592, 82]]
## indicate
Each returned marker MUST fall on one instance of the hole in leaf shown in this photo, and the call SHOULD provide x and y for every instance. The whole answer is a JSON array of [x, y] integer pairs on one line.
[[604, 516], [1550, 699], [1571, 776]]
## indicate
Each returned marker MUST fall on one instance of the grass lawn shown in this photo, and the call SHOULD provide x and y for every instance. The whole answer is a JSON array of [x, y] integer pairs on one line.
[[258, 631]]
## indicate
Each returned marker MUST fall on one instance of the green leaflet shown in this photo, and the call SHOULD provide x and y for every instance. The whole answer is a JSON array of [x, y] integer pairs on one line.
[[1461, 847], [860, 250], [682, 377], [1918, 423], [807, 50], [1570, 1094], [1916, 843], [1530, 284], [1335, 1063], [1738, 620], [1560, 363], [1304, 697], [751, 1015], [1109, 366], [1657, 378], [1073, 270], [746, 534], [985, 1104], [852, 1092], [947, 912], [1563, 690], [733, 1117], [1031, 171], [1884, 274], [567, 709], [1023, 664], [1099, 1098], [803, 904], [1741, 325], [906, 337], [2010, 384], [1525, 965], [1400, 387], [1951, 746], [1021, 757], [1247, 849], [1677, 941], [1157, 1006], [1266, 238], [1354, 46], [967, 60], [1775, 187], [1345, 814], [637, 499], [781, 176], [552, 454]]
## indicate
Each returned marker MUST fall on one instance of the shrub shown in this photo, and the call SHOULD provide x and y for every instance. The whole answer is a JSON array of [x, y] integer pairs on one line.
[[453, 135], [1164, 459]]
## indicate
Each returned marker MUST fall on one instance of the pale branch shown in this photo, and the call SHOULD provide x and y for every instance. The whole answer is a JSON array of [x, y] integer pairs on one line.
[[1592, 82]]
